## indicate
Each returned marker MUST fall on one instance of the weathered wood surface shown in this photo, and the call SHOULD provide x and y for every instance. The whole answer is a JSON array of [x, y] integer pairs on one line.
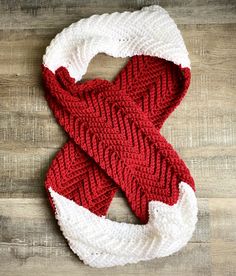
[[202, 129]]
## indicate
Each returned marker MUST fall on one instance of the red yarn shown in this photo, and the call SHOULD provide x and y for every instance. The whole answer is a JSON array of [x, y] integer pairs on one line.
[[115, 140]]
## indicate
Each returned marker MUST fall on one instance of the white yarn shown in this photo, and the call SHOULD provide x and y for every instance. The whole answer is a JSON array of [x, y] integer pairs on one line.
[[149, 31], [98, 241]]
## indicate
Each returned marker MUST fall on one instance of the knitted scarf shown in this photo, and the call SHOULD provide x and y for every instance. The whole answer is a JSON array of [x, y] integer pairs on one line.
[[115, 140]]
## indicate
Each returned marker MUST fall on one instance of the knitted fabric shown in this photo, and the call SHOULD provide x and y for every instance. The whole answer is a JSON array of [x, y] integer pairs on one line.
[[115, 140]]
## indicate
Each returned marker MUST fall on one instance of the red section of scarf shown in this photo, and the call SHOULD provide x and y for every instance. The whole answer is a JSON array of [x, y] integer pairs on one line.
[[115, 140]]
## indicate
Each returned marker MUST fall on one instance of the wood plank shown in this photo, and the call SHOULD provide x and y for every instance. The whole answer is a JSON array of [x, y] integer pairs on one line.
[[51, 14], [223, 219], [223, 258], [193, 260], [223, 236], [23, 172]]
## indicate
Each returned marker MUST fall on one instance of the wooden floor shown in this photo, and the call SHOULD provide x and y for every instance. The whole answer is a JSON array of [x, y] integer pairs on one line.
[[202, 130]]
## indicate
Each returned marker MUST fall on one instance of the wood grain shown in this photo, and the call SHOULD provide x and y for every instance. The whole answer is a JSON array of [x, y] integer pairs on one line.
[[46, 14], [202, 129]]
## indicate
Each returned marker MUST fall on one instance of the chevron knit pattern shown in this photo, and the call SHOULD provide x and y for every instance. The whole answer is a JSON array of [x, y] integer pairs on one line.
[[115, 140]]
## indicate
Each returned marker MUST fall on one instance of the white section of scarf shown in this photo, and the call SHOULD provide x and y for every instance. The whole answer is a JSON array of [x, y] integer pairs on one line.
[[100, 242], [149, 31]]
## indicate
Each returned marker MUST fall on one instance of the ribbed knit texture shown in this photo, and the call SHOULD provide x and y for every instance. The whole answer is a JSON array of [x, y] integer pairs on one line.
[[115, 138]]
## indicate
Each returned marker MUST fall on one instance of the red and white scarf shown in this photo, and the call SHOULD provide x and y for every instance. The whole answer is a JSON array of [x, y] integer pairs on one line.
[[115, 140]]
